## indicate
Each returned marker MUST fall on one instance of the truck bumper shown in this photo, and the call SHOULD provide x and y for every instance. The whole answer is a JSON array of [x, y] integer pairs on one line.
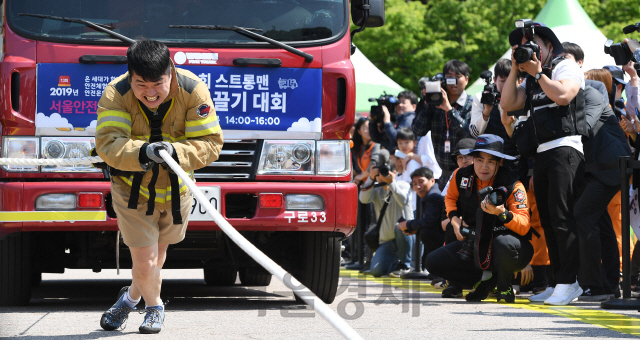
[[17, 208]]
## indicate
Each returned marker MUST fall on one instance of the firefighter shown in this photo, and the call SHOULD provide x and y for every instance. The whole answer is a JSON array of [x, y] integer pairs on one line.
[[152, 107]]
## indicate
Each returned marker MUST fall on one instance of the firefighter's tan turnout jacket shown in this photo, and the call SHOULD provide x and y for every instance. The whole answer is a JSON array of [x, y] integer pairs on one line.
[[191, 126]]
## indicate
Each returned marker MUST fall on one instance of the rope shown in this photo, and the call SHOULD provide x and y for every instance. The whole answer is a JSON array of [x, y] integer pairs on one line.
[[52, 161], [298, 288]]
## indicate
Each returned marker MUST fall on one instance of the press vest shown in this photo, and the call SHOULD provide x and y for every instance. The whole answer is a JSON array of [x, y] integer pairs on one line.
[[553, 121], [485, 225]]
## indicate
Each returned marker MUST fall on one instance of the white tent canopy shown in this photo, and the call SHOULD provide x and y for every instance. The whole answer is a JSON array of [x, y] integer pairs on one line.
[[370, 82]]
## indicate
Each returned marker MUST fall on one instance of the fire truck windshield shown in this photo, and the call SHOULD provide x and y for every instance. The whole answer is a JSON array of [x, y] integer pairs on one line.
[[283, 20]]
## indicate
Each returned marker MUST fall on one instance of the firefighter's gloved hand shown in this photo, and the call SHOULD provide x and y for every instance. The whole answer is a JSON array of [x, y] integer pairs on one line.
[[153, 151]]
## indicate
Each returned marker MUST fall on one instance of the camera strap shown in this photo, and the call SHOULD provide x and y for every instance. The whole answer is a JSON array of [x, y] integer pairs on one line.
[[387, 199], [482, 251]]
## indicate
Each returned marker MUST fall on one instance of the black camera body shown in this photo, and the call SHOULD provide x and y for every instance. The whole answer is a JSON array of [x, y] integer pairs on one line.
[[432, 86], [496, 197], [466, 252], [383, 163], [490, 95], [387, 100], [525, 52], [620, 51]]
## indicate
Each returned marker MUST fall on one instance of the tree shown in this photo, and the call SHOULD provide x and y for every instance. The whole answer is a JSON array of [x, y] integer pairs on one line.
[[418, 39]]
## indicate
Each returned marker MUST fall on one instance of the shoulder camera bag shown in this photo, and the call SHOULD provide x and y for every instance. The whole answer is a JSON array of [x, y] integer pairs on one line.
[[372, 235]]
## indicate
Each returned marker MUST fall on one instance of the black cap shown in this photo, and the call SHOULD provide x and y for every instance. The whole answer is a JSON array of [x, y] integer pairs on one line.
[[616, 73], [515, 37], [465, 143]]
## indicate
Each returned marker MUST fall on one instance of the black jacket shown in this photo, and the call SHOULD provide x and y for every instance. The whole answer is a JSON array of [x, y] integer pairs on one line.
[[432, 206], [607, 142]]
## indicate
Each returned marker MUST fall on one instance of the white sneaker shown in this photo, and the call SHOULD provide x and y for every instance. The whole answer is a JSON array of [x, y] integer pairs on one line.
[[564, 294], [541, 297]]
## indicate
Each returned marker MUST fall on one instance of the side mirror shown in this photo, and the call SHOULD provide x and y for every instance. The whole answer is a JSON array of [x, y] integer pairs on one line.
[[375, 9]]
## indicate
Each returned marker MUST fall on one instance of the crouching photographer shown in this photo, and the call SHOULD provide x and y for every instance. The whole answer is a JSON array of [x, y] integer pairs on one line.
[[488, 209], [550, 131], [392, 202]]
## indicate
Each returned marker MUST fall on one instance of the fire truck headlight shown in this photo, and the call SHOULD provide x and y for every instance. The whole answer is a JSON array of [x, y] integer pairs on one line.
[[20, 147], [67, 147], [287, 157], [333, 157]]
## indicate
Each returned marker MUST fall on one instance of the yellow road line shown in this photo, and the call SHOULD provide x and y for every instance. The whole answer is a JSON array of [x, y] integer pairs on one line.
[[615, 322], [52, 216]]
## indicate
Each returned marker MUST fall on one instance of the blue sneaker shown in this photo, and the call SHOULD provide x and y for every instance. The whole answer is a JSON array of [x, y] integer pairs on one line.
[[152, 320], [116, 317]]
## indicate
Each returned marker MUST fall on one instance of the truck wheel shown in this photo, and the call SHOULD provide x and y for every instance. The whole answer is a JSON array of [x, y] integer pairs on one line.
[[15, 270], [250, 277], [225, 276], [320, 265]]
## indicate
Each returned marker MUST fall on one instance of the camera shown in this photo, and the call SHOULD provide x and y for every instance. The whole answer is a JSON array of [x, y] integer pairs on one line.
[[432, 94], [466, 252], [620, 51], [490, 95], [383, 163], [524, 52], [496, 197], [387, 100]]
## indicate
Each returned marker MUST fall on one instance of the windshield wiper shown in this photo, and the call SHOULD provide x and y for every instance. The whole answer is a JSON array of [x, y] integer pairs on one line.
[[97, 27], [247, 32]]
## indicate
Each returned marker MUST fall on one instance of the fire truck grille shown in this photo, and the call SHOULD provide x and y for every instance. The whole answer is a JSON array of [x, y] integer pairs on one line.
[[237, 162]]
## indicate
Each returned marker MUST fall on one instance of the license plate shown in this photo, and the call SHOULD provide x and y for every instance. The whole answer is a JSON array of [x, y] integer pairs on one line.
[[198, 213]]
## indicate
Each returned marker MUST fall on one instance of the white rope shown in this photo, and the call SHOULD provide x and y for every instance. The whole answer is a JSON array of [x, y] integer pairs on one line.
[[298, 288], [51, 161]]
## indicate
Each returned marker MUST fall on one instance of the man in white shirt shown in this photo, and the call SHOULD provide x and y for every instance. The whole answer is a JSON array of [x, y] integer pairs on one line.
[[556, 144]]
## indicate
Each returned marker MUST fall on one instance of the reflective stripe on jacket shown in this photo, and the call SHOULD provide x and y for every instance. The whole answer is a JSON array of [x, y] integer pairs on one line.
[[191, 125]]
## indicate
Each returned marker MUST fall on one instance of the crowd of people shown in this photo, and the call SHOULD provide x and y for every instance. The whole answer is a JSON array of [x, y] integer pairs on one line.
[[502, 196]]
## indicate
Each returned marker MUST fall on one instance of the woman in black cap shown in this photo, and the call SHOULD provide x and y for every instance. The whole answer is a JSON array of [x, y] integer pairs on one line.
[[551, 132], [495, 244]]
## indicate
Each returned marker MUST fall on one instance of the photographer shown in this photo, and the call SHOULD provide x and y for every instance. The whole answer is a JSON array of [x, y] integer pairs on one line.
[[394, 252], [495, 244], [405, 111], [428, 225], [599, 262], [487, 118], [552, 133], [449, 121]]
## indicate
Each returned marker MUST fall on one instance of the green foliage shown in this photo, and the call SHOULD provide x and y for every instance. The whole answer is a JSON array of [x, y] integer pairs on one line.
[[418, 39], [612, 15]]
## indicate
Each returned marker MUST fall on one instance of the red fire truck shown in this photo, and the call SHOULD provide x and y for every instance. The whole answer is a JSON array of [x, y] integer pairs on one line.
[[283, 87]]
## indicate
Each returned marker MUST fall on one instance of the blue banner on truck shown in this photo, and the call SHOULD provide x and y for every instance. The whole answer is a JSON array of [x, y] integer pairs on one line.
[[245, 98]]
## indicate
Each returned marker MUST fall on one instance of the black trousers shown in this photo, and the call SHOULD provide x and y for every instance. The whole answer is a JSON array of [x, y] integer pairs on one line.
[[510, 254], [356, 240], [432, 239], [610, 253], [556, 176], [596, 236]]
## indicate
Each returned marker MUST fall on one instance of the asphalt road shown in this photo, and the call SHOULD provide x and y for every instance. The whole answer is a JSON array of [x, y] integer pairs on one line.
[[69, 306]]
